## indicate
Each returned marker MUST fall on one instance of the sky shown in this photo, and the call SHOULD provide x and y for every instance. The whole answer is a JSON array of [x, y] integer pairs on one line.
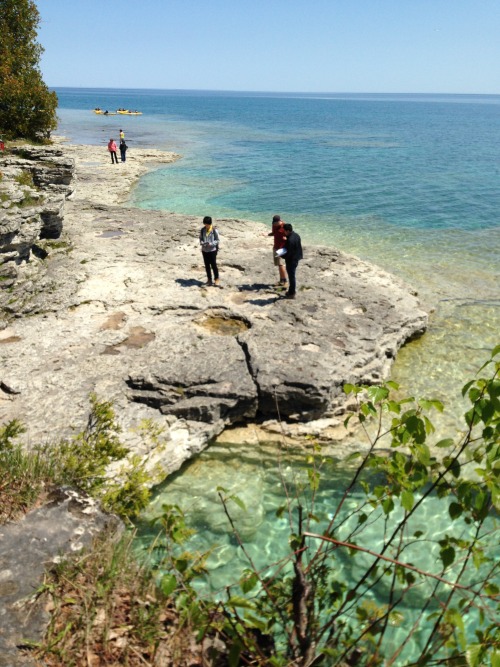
[[357, 46]]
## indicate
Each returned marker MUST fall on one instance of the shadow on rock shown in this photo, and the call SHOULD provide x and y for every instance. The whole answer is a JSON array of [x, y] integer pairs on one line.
[[189, 282]]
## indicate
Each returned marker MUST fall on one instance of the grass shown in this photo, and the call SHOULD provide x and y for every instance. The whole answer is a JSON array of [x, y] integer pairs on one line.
[[25, 178], [81, 461], [23, 475], [106, 609]]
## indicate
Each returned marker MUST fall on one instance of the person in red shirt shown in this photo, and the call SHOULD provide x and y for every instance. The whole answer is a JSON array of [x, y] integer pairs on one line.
[[279, 243], [112, 151]]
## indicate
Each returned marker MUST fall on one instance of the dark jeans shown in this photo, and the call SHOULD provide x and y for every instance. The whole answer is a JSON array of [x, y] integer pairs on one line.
[[291, 267], [113, 157], [123, 156], [210, 259]]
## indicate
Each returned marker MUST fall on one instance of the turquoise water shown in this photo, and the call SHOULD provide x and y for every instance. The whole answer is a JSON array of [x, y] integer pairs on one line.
[[257, 480], [409, 182]]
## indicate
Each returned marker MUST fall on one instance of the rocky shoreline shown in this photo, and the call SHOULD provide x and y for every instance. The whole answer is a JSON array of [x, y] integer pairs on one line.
[[116, 304], [98, 297]]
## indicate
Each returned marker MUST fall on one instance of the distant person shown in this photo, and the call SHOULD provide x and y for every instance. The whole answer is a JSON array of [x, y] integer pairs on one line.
[[112, 150], [123, 150], [209, 241], [279, 243], [292, 257], [122, 135]]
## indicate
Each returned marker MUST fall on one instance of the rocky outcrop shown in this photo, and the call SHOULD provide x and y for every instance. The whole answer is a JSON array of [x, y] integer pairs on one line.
[[34, 185], [68, 522], [122, 310]]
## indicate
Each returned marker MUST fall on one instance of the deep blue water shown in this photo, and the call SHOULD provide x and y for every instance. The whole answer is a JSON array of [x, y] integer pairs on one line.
[[410, 182]]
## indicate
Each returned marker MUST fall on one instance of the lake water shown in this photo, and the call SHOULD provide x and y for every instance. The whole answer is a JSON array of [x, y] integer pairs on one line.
[[409, 182]]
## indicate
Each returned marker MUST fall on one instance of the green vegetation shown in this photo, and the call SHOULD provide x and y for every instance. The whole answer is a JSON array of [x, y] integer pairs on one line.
[[81, 461], [27, 107], [25, 178], [303, 610]]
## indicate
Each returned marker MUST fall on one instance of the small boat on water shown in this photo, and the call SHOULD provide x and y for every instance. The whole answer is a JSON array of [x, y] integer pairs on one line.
[[127, 112], [100, 112]]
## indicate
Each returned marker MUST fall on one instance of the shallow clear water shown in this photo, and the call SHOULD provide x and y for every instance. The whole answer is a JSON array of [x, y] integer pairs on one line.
[[256, 477]]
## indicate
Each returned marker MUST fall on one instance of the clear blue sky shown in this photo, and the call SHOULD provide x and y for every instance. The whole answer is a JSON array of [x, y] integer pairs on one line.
[[422, 46]]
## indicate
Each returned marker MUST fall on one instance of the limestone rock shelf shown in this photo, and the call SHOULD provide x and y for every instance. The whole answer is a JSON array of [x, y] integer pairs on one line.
[[117, 305]]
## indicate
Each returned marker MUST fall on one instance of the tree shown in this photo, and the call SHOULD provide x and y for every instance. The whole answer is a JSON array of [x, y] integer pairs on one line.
[[27, 107]]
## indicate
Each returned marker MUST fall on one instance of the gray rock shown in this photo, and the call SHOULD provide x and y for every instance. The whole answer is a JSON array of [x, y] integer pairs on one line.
[[66, 524]]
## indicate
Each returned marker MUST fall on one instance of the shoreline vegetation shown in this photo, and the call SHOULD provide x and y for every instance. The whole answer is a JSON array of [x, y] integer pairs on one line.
[[102, 605], [105, 607]]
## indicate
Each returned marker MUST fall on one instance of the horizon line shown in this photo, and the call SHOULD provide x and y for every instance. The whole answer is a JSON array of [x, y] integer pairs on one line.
[[274, 92]]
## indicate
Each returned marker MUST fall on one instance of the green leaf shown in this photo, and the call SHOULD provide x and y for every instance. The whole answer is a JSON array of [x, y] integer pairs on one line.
[[491, 589], [238, 601], [168, 584], [473, 655], [466, 387], [368, 409], [455, 510], [280, 511], [428, 404], [239, 502], [248, 581], [234, 654], [447, 555], [407, 500], [394, 406], [377, 394], [314, 478], [392, 385], [388, 505], [447, 442]]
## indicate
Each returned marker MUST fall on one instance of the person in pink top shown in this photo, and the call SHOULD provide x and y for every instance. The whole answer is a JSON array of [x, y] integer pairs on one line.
[[279, 243], [112, 150]]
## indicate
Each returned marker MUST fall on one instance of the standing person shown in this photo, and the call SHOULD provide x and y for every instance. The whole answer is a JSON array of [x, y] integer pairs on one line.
[[123, 150], [292, 257], [279, 243], [122, 135], [112, 150], [209, 241]]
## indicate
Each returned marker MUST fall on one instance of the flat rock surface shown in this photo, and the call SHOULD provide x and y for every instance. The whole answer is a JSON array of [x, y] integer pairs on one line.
[[124, 312]]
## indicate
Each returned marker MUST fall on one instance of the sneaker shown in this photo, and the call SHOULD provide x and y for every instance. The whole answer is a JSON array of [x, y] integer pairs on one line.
[[209, 283], [289, 296], [216, 282]]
